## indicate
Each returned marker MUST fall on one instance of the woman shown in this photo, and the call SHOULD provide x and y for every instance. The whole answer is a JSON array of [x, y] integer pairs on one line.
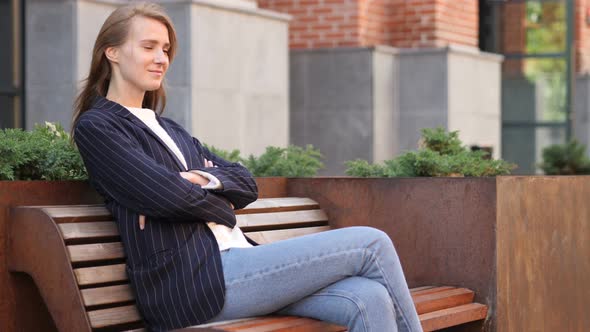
[[173, 200]]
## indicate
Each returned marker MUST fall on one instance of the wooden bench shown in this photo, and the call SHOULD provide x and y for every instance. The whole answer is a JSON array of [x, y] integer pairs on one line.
[[75, 257]]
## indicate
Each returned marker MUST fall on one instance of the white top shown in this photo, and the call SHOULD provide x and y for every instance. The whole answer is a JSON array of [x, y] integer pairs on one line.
[[226, 237]]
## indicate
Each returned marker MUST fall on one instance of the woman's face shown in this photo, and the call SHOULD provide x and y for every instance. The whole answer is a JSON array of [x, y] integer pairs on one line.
[[143, 58]]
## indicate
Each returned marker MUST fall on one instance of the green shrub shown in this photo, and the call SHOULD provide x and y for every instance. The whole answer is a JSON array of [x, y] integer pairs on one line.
[[440, 154], [293, 161], [44, 153], [233, 156], [565, 159]]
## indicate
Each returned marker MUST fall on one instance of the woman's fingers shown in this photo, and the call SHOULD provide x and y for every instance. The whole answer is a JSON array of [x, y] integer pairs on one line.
[[141, 221], [209, 163]]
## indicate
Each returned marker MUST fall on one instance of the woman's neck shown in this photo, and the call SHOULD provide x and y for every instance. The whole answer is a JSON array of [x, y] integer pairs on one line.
[[125, 96]]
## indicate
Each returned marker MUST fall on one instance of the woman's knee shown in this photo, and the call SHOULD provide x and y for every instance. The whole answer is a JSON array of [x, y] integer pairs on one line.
[[372, 234]]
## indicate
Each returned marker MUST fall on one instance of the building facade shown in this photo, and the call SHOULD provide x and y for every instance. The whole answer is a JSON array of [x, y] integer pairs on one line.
[[355, 78]]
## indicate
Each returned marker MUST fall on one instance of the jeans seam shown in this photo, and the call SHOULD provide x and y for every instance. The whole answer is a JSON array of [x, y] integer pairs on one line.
[[360, 306], [286, 267], [389, 289]]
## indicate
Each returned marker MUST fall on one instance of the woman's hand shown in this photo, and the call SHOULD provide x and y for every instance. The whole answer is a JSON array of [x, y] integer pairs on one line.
[[193, 178]]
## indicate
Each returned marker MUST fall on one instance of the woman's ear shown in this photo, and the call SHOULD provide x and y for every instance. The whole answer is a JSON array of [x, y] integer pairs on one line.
[[112, 54]]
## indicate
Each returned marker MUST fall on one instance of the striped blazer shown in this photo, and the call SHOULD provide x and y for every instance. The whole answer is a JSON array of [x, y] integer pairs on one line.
[[173, 264]]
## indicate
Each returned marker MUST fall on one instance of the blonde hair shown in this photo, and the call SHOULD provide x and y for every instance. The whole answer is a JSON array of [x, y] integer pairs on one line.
[[114, 32]]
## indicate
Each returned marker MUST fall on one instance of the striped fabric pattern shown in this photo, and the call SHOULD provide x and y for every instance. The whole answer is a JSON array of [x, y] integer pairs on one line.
[[174, 264]]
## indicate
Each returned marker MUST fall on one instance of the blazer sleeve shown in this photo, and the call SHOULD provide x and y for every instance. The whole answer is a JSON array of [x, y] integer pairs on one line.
[[238, 184], [135, 180]]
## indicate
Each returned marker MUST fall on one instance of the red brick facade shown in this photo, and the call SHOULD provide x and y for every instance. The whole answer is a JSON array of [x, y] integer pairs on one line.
[[399, 23]]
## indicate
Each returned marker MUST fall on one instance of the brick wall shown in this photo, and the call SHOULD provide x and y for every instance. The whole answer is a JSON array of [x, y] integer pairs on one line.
[[399, 23]]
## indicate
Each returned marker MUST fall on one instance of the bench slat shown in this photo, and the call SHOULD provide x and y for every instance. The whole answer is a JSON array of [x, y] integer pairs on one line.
[[250, 222], [441, 319], [268, 221], [442, 300], [279, 205], [96, 252], [113, 316], [430, 290], [273, 236], [89, 230], [297, 324], [107, 295], [77, 213], [88, 276]]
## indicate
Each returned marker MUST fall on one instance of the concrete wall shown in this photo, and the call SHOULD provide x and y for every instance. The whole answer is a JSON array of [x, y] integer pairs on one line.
[[581, 121], [371, 103], [332, 107], [454, 87], [474, 97], [239, 75], [228, 84], [51, 55]]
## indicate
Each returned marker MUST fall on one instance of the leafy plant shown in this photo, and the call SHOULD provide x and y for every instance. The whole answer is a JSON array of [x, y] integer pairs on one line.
[[441, 153], [233, 156], [44, 153], [565, 159], [293, 161]]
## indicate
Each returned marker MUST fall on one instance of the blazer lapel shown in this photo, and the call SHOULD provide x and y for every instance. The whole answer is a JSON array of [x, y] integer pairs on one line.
[[107, 105]]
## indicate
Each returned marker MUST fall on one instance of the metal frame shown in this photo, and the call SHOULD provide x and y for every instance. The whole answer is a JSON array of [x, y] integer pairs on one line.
[[568, 55], [19, 92]]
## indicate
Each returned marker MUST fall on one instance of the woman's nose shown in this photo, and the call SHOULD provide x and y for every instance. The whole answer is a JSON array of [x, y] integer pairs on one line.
[[160, 57]]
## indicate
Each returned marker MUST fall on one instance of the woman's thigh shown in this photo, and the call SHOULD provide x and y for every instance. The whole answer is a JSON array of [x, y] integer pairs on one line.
[[263, 279]]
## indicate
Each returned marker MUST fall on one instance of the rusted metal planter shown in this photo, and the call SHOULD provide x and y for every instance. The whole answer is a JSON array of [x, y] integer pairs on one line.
[[521, 243]]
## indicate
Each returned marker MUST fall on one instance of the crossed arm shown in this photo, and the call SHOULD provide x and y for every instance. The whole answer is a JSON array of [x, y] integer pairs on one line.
[[192, 177], [122, 172]]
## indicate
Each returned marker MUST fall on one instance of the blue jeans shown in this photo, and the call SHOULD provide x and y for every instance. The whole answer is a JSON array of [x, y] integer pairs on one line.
[[350, 276]]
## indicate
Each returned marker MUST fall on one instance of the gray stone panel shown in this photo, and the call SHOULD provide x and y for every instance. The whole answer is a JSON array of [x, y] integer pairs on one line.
[[423, 95], [52, 103], [50, 61], [332, 104], [581, 123], [178, 77]]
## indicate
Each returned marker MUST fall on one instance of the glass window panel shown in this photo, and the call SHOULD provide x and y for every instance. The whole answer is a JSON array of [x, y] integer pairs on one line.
[[531, 27], [524, 145], [6, 36], [7, 112], [534, 90]]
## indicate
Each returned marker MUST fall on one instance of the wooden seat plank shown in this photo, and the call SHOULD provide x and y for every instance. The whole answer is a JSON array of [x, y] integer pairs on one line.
[[77, 213], [250, 222], [278, 220], [88, 276], [88, 212], [107, 295], [89, 230], [442, 300], [280, 204], [298, 322], [417, 289], [248, 322], [431, 290], [96, 252], [284, 234], [444, 318], [113, 316]]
